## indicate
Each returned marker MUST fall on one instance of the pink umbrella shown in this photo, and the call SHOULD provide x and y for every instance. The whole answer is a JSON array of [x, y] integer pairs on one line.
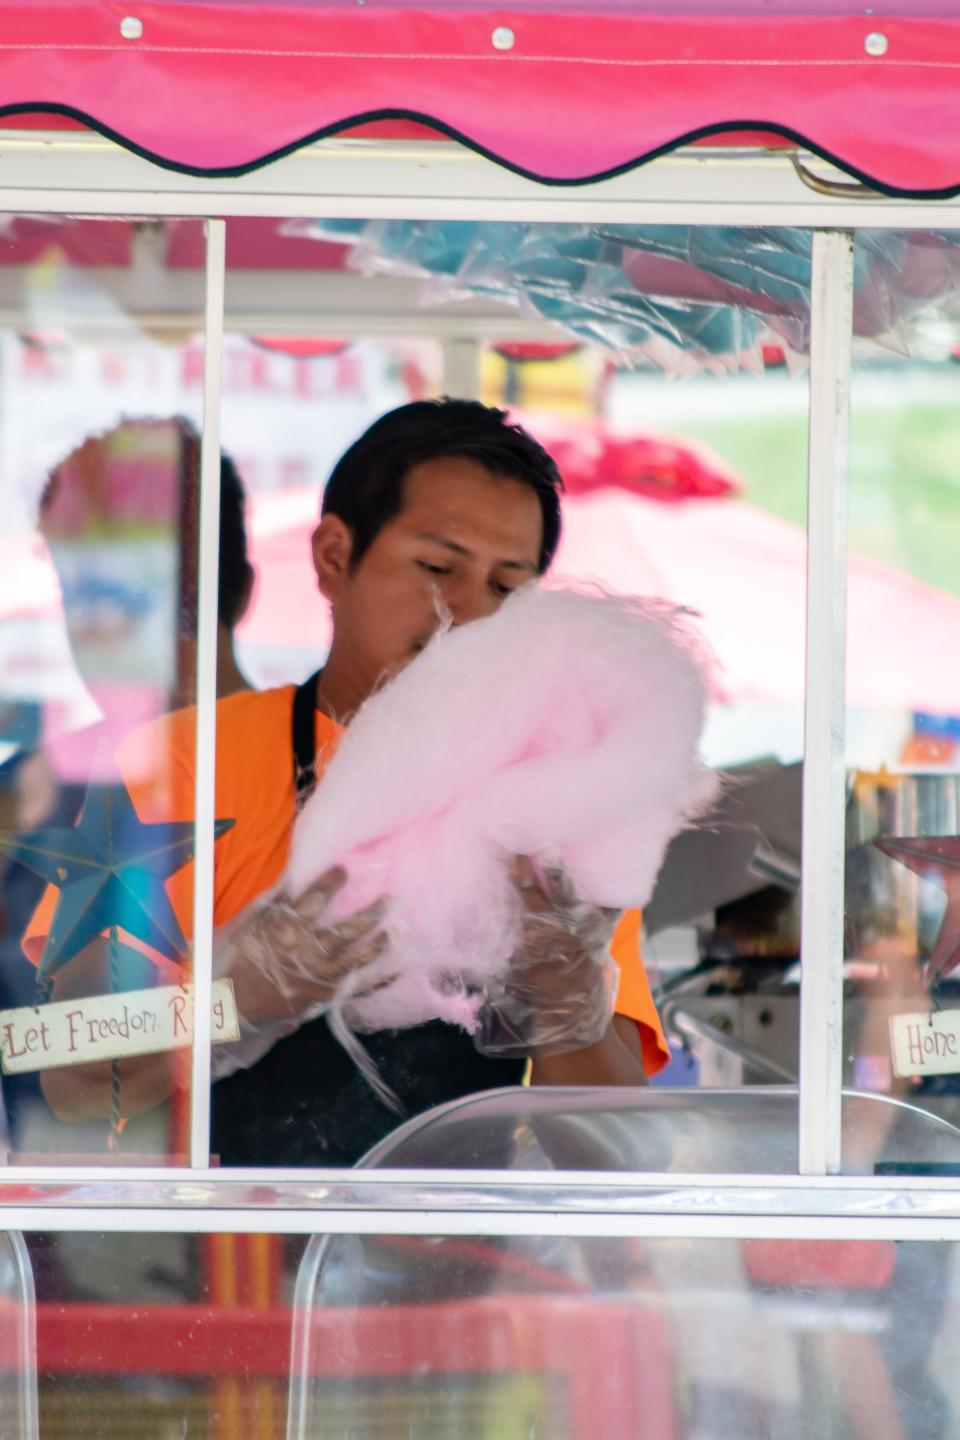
[[742, 570], [288, 612]]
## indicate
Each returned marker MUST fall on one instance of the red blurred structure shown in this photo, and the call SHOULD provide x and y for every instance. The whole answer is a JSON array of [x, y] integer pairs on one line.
[[552, 1342], [591, 456]]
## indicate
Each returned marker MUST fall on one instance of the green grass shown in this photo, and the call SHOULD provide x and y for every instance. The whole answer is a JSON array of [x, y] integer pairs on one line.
[[904, 475]]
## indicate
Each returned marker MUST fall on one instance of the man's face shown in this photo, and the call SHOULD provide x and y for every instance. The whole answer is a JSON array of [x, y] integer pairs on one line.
[[463, 540]]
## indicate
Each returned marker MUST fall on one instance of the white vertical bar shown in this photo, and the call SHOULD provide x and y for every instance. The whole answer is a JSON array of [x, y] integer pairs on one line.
[[821, 999], [461, 367], [29, 1428], [208, 567]]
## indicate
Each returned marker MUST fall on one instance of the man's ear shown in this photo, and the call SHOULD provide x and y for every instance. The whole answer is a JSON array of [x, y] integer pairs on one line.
[[332, 552]]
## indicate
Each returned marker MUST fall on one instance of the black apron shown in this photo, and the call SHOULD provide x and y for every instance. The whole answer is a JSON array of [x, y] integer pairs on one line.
[[305, 1102]]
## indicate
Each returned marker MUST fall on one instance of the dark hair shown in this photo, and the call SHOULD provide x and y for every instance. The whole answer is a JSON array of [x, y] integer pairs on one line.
[[82, 467], [365, 488], [235, 566], [234, 573]]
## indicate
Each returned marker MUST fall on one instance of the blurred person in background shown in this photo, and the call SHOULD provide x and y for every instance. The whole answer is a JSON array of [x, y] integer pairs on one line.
[[120, 519]]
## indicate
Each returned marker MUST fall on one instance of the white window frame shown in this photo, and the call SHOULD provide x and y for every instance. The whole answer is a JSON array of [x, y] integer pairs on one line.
[[85, 174]]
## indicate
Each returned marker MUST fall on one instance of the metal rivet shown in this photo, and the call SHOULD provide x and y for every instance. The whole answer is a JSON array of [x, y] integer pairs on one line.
[[875, 43], [131, 28], [503, 38]]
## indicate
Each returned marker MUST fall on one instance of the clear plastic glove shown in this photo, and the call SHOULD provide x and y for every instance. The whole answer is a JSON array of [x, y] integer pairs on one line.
[[560, 990], [287, 965]]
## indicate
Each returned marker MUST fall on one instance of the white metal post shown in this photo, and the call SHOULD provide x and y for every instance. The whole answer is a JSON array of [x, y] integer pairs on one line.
[[821, 1000], [461, 366], [208, 566]]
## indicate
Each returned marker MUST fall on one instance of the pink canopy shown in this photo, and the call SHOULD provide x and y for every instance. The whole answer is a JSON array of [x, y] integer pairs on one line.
[[564, 93]]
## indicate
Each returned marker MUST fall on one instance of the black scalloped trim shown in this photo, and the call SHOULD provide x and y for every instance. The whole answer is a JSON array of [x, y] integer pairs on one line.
[[366, 117]]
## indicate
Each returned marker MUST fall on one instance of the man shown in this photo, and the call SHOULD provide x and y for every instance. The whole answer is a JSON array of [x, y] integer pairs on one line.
[[440, 508]]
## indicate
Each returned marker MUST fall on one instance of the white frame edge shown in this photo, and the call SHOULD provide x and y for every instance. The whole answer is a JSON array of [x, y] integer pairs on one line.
[[366, 179], [206, 739], [821, 922]]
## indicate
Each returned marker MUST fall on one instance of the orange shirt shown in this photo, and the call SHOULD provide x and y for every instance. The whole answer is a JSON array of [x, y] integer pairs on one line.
[[254, 786]]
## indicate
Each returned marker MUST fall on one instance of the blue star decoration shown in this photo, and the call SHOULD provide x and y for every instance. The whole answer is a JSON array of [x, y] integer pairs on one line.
[[110, 869]]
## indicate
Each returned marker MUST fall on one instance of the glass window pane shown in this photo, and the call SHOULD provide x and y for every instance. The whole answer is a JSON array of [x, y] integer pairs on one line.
[[161, 1335], [18, 1359], [472, 1337], [101, 367], [692, 493], [660, 1338], [903, 702]]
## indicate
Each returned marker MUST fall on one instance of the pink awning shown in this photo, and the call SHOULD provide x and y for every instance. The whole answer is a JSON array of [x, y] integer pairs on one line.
[[561, 93]]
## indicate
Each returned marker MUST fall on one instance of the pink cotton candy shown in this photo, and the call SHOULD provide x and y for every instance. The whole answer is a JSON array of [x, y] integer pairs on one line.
[[565, 726]]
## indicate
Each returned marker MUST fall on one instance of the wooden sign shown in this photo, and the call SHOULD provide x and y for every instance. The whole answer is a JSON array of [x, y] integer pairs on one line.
[[926, 1044], [109, 1027]]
